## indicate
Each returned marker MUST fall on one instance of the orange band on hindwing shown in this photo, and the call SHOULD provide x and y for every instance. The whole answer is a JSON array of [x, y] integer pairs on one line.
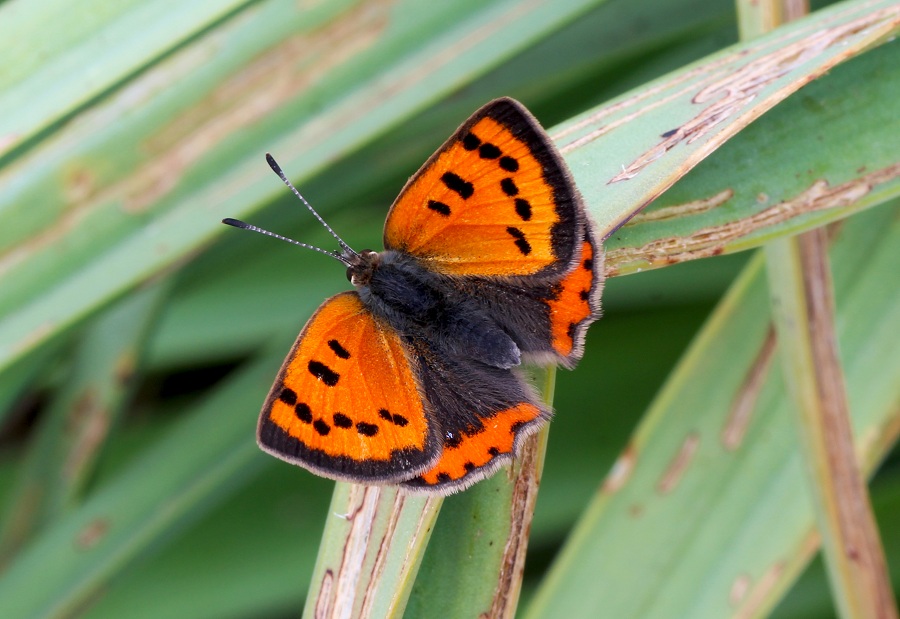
[[574, 302], [476, 456]]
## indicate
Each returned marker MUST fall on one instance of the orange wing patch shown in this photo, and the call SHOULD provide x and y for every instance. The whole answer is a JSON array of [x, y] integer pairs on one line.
[[345, 404], [489, 202], [471, 458], [576, 304]]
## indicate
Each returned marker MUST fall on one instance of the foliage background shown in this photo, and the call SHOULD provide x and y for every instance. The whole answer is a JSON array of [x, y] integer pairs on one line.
[[143, 126]]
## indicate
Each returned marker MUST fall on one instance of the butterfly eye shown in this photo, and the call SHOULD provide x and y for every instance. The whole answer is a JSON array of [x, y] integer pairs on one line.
[[350, 274]]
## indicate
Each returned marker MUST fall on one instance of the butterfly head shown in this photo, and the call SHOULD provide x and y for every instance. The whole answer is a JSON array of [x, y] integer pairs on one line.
[[360, 266]]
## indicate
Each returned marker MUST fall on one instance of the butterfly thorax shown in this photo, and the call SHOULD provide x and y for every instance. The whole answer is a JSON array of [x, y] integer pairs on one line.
[[396, 288], [421, 304]]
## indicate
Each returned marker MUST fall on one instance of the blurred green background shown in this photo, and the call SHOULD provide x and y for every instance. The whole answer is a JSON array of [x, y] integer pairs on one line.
[[139, 337]]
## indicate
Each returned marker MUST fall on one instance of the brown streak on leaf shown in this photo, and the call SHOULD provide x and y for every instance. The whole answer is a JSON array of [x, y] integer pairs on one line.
[[851, 525], [382, 553], [760, 593], [88, 423], [680, 463], [79, 184], [712, 240], [717, 68], [323, 603], [125, 368], [524, 495], [91, 534], [637, 101], [728, 95], [621, 470], [745, 401], [249, 96], [683, 210], [336, 597], [739, 589], [627, 118]]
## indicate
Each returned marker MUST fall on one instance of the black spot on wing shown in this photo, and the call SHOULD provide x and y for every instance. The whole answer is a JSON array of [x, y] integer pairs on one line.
[[321, 427], [519, 236], [588, 264], [339, 350], [323, 373], [303, 412], [443, 478], [341, 420], [585, 295], [396, 419], [471, 141], [509, 187], [366, 429], [288, 396], [523, 209], [439, 207], [494, 451], [509, 164], [454, 182], [489, 151]]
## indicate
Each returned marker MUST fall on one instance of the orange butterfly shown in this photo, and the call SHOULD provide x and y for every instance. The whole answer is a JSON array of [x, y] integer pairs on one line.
[[410, 379]]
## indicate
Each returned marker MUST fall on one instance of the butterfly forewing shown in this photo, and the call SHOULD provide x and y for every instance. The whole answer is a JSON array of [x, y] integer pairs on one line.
[[346, 403], [495, 200]]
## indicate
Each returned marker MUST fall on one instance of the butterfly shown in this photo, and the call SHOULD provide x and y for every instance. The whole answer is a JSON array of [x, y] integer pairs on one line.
[[489, 261]]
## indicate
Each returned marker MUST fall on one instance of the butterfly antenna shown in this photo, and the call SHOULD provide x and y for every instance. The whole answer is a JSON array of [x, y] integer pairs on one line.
[[277, 169], [237, 223]]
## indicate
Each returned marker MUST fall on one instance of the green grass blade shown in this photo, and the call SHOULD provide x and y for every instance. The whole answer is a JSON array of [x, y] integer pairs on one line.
[[824, 153], [177, 478], [49, 44], [65, 447], [370, 551], [802, 292], [687, 115], [802, 303], [189, 182], [717, 448]]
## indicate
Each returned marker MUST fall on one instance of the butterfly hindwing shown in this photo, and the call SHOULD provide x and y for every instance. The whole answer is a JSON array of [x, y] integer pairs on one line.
[[547, 317], [575, 302], [346, 403], [496, 199], [485, 413]]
